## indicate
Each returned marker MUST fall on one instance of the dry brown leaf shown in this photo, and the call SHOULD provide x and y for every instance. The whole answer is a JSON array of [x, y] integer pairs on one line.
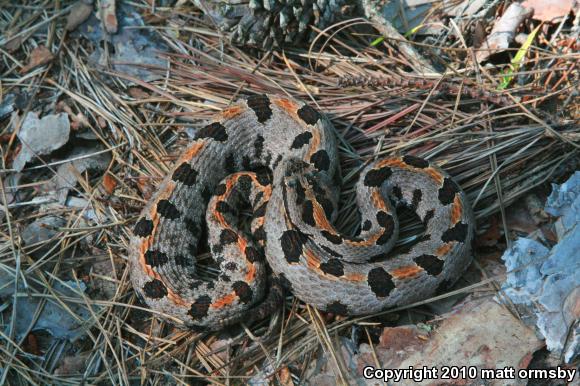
[[38, 57], [83, 158], [77, 120], [551, 11], [109, 183], [72, 365], [31, 344], [401, 338], [491, 236], [285, 376], [479, 333], [144, 185], [102, 122], [138, 93], [41, 136]]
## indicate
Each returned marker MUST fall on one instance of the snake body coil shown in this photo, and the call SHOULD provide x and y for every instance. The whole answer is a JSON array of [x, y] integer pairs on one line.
[[277, 158]]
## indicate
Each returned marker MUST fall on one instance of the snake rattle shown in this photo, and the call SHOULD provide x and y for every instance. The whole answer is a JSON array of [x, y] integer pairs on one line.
[[277, 159]]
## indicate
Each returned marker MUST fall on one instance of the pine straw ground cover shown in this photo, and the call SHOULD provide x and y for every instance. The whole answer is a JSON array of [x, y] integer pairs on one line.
[[498, 147]]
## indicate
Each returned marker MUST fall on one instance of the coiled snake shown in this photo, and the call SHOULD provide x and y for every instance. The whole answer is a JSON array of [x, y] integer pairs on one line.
[[277, 158]]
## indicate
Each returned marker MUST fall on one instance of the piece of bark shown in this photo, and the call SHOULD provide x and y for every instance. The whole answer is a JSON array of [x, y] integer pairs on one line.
[[503, 32]]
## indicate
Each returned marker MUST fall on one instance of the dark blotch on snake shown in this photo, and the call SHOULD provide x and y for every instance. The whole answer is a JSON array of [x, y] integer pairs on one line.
[[155, 289], [320, 160], [143, 228], [367, 225], [308, 114], [276, 162], [185, 174], [333, 238], [260, 104], [333, 267], [247, 163], [263, 177], [397, 193], [337, 308], [243, 290], [308, 213], [428, 216], [284, 282], [415, 161], [230, 163], [296, 167], [217, 249], [223, 207], [457, 233], [384, 219], [214, 130], [381, 282], [155, 258], [244, 185], [260, 234], [301, 140], [258, 197], [376, 177], [430, 263], [443, 286], [267, 159], [417, 195], [384, 238], [167, 210], [300, 193], [193, 285], [221, 190], [258, 146], [253, 254], [447, 191], [228, 236], [261, 211], [292, 242], [231, 266], [200, 307]]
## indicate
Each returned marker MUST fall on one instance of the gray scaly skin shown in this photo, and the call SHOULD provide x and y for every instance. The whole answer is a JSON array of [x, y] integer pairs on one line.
[[278, 158]]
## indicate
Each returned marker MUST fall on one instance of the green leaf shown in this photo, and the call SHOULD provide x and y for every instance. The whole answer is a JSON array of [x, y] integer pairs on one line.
[[518, 59], [413, 30], [377, 41]]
